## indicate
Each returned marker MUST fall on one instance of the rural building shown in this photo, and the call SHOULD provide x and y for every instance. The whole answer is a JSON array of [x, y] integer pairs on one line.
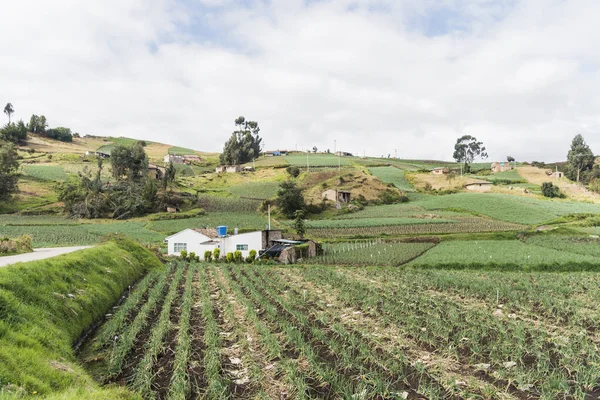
[[501, 166], [440, 171], [228, 168], [557, 174], [289, 251], [172, 158], [479, 186], [155, 172], [273, 153], [248, 168], [343, 154], [200, 240], [336, 195], [100, 154], [191, 158]]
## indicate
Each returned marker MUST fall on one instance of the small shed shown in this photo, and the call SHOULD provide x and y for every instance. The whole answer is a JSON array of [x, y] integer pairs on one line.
[[479, 186], [172, 158], [232, 168], [337, 195], [155, 172], [440, 171], [558, 174], [220, 169]]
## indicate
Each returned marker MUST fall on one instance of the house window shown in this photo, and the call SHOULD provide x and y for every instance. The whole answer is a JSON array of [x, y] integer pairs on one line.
[[178, 247], [241, 247]]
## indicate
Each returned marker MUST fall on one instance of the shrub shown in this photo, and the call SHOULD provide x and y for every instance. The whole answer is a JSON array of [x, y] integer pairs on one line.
[[183, 254], [192, 256], [252, 254], [208, 255], [216, 254], [237, 256], [293, 171], [229, 257], [549, 190]]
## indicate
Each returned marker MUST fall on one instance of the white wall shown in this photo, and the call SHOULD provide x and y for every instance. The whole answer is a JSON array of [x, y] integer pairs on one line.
[[252, 239], [193, 240], [227, 244]]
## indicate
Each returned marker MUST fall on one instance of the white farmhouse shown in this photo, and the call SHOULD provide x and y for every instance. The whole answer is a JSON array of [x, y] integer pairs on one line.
[[201, 240]]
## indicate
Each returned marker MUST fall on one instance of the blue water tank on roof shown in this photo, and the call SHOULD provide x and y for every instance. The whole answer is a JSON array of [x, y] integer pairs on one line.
[[221, 231]]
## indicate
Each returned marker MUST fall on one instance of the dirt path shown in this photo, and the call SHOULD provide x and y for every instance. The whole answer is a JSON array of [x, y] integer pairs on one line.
[[39, 254]]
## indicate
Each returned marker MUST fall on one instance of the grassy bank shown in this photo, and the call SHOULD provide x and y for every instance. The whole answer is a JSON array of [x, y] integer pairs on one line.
[[45, 306]]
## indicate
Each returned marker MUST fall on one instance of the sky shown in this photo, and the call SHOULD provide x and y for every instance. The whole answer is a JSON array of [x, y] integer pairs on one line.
[[372, 77]]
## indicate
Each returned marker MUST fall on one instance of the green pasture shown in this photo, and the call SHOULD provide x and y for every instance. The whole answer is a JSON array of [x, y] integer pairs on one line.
[[510, 208], [181, 151], [45, 172], [255, 190], [392, 175], [500, 253], [317, 160]]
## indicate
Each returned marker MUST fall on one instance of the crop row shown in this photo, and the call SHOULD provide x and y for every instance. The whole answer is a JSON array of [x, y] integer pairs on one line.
[[369, 253], [461, 225]]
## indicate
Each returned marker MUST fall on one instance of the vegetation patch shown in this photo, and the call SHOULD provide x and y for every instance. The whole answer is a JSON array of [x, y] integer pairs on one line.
[[47, 305], [45, 172], [181, 151], [392, 175]]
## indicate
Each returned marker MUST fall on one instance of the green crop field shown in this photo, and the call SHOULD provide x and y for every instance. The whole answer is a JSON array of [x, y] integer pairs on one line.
[[370, 222], [501, 253], [508, 177], [387, 210], [255, 190], [462, 224], [371, 333], [571, 244], [227, 204], [317, 160], [230, 219], [369, 253], [45, 172], [181, 151], [392, 175], [510, 208]]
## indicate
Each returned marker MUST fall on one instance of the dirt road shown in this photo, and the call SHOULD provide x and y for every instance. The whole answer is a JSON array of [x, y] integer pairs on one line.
[[39, 254]]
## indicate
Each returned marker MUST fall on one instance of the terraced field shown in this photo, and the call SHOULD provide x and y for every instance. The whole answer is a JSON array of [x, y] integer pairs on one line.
[[392, 175], [247, 332]]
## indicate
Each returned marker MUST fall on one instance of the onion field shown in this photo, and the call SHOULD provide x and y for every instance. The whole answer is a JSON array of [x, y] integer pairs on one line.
[[369, 253], [256, 332]]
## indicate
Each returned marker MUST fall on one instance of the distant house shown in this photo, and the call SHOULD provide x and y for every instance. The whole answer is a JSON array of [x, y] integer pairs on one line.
[[189, 158], [479, 186], [343, 154], [440, 171], [172, 158], [100, 154], [557, 174], [228, 168], [201, 240], [336, 195], [273, 153], [155, 172], [501, 166]]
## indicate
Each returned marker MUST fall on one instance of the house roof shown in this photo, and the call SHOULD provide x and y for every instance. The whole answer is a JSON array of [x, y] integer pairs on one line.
[[479, 183], [185, 230], [208, 232]]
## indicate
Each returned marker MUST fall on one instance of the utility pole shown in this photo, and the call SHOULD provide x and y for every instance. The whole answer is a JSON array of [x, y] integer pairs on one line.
[[307, 166], [269, 208], [395, 153], [334, 146]]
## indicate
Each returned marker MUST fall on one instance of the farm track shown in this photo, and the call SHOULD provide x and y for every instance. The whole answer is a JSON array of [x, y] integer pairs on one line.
[[389, 339]]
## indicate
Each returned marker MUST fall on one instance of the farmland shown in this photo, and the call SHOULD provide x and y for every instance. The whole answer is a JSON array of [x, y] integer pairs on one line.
[[316, 160], [365, 253], [392, 175], [322, 332]]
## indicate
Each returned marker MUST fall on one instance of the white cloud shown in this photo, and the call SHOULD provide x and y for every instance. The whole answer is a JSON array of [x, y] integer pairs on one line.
[[522, 76]]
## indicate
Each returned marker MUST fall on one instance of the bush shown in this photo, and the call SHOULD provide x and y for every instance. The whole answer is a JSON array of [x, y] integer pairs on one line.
[[20, 245], [183, 254], [60, 133], [252, 254], [293, 171], [208, 255], [229, 257], [237, 256], [391, 196], [192, 256], [216, 254], [549, 190]]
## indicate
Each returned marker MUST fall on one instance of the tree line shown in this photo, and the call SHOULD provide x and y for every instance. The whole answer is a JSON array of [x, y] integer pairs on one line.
[[17, 132]]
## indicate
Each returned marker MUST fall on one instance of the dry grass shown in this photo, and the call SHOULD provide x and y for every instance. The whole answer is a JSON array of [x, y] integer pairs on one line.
[[574, 191], [78, 146], [356, 182], [156, 151], [441, 182]]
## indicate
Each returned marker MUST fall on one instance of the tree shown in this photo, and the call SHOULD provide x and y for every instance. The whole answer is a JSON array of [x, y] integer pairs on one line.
[[549, 190], [299, 225], [129, 162], [293, 170], [580, 158], [14, 133], [60, 133], [169, 175], [244, 145], [467, 149], [37, 124], [9, 166], [510, 159], [9, 110], [290, 199]]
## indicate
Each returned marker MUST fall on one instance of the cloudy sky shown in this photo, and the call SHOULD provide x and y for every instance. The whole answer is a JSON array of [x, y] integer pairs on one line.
[[523, 76]]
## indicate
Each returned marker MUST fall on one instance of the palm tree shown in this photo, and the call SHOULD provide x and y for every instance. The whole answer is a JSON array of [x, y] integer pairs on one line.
[[8, 110]]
